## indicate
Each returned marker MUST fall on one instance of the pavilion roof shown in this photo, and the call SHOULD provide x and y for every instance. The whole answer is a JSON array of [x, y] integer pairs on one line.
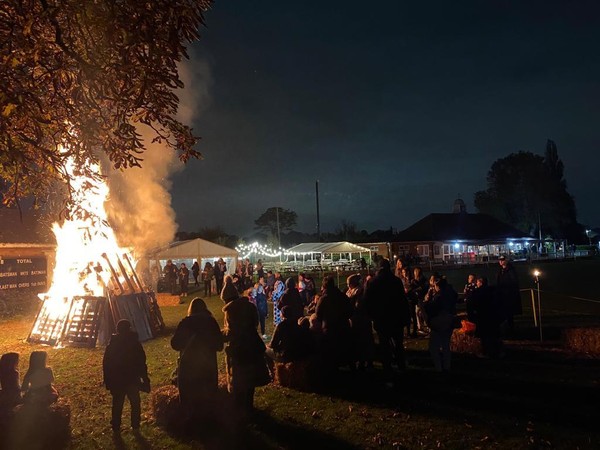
[[464, 227]]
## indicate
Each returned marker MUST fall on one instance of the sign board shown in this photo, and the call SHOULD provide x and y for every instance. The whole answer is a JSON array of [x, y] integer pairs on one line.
[[23, 273]]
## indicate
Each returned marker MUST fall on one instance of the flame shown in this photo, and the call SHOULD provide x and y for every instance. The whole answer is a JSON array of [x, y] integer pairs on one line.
[[84, 247], [79, 267]]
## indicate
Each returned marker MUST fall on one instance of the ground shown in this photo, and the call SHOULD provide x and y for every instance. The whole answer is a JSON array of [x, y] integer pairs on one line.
[[539, 396]]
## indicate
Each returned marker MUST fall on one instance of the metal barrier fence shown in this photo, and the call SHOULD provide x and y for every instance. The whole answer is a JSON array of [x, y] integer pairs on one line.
[[536, 304]]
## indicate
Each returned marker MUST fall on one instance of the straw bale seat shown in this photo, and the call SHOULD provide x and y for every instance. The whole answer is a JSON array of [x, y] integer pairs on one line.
[[166, 299], [301, 375], [584, 340], [465, 343], [39, 426], [165, 405], [168, 413]]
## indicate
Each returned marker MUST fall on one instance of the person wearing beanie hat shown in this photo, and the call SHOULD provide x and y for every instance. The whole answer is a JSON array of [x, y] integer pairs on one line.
[[125, 373]]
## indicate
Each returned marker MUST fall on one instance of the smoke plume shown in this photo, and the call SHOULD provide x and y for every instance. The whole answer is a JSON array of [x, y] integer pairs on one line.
[[139, 208]]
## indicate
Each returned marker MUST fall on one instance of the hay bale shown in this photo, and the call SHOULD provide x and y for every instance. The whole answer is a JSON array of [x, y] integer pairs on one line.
[[165, 405], [166, 299], [585, 340], [465, 343], [169, 414], [40, 426], [295, 375]]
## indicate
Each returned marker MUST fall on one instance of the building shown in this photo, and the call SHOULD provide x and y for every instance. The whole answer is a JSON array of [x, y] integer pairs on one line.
[[27, 249], [460, 237]]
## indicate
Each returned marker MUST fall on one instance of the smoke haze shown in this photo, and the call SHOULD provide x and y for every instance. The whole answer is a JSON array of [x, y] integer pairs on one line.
[[140, 208]]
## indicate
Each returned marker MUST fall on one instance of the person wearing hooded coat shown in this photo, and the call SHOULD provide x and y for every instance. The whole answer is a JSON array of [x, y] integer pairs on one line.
[[246, 364], [292, 299], [334, 310], [387, 305], [198, 338], [229, 291], [125, 373]]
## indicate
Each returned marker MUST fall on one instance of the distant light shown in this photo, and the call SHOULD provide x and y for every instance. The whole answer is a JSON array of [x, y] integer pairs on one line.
[[511, 243], [456, 245], [536, 273]]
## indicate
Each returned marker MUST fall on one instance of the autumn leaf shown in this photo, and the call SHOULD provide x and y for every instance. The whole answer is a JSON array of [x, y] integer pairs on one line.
[[8, 109]]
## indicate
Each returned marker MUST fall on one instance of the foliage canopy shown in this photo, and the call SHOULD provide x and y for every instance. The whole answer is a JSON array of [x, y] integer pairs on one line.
[[78, 77], [527, 190], [276, 219]]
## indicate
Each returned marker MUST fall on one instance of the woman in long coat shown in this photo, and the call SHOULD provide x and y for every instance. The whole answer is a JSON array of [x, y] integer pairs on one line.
[[246, 365], [198, 338]]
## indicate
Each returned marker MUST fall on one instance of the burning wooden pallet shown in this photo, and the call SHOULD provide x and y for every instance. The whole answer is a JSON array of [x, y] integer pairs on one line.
[[81, 321], [78, 325]]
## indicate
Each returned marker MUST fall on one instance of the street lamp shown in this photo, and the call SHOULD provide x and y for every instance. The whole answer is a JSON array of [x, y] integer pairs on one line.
[[587, 233], [536, 274]]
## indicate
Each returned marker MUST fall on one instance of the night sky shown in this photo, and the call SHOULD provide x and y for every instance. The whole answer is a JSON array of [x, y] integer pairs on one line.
[[396, 107]]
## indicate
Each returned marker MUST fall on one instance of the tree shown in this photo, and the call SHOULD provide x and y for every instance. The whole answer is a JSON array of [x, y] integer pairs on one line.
[[79, 79], [347, 231], [527, 190], [275, 220]]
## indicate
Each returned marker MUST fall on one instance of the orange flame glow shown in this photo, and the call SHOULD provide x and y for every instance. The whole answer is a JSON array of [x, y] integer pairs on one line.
[[84, 246]]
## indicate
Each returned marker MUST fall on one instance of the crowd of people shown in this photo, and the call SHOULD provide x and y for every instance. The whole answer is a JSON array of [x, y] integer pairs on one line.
[[331, 328], [177, 279]]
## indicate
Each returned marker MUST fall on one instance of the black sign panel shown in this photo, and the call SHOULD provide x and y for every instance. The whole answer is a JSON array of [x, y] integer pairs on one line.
[[23, 273]]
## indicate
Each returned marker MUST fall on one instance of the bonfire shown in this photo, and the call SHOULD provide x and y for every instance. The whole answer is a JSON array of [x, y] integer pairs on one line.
[[94, 282]]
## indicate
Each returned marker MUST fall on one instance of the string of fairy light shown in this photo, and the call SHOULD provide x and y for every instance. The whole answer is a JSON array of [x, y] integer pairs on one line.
[[259, 249], [246, 250], [264, 250]]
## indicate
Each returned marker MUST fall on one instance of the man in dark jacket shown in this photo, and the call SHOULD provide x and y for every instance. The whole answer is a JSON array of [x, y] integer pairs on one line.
[[486, 313], [388, 307], [334, 311], [125, 373], [219, 269], [170, 273], [507, 284]]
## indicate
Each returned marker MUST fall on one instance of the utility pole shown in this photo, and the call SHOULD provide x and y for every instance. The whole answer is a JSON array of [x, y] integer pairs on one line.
[[318, 218], [540, 234], [278, 230]]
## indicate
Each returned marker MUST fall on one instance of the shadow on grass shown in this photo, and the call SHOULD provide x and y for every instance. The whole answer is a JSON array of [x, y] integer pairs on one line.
[[266, 432], [526, 385], [260, 432]]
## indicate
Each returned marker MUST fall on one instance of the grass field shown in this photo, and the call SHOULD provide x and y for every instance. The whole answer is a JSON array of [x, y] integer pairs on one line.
[[539, 396]]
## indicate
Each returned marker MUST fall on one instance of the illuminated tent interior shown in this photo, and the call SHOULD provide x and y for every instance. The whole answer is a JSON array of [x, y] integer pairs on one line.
[[195, 249], [326, 253]]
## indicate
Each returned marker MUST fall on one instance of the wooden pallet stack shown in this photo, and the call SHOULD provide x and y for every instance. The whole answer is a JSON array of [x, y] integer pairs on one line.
[[82, 321]]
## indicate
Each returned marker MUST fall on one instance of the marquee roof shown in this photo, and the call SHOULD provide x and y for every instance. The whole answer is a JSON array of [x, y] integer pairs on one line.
[[195, 248], [328, 247]]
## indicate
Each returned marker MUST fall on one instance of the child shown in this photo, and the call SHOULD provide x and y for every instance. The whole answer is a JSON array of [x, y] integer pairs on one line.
[[10, 395], [37, 383], [286, 343], [469, 287], [125, 373], [261, 305]]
